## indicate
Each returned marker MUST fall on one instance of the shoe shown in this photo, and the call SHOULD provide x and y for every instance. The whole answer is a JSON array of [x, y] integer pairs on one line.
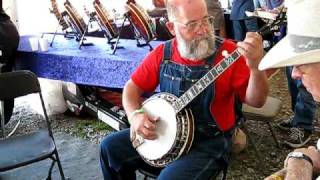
[[285, 125], [298, 137]]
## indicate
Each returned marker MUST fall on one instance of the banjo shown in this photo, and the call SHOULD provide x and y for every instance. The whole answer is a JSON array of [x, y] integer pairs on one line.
[[176, 125], [141, 21], [175, 129], [105, 20], [76, 21], [55, 10]]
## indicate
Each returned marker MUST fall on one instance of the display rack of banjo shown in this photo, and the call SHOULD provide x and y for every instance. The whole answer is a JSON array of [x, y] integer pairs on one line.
[[180, 103], [75, 22], [140, 25], [61, 22], [106, 24]]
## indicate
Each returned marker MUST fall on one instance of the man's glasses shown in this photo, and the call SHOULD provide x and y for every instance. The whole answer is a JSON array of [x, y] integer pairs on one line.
[[195, 25]]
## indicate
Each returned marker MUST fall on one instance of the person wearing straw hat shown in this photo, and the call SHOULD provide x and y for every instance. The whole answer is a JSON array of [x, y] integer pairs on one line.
[[300, 49], [300, 46]]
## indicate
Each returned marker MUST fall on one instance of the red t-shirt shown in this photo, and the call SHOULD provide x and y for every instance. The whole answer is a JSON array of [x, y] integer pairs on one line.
[[233, 82]]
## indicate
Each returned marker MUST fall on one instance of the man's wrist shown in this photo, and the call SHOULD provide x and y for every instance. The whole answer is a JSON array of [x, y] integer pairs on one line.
[[135, 112], [300, 156], [255, 71]]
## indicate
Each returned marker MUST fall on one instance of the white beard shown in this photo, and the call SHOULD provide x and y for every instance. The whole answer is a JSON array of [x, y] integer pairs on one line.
[[197, 49]]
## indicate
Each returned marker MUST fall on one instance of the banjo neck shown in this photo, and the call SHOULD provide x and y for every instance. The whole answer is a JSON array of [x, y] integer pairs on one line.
[[205, 81], [270, 27]]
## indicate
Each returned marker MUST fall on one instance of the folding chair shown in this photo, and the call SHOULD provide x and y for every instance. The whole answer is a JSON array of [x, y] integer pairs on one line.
[[31, 147]]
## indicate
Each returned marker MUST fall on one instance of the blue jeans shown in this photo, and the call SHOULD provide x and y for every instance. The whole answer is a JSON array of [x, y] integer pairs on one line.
[[241, 27], [119, 160], [302, 103]]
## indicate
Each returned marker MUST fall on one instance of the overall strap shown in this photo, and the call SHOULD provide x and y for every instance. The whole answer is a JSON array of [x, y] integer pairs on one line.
[[167, 51]]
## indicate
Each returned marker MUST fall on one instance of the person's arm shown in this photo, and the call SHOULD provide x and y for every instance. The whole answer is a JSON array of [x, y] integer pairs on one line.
[[279, 175], [300, 168], [252, 49], [131, 97], [140, 122]]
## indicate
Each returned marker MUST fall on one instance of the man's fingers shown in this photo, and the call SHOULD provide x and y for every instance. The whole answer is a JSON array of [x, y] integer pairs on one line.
[[253, 35], [150, 125], [312, 148], [148, 134], [248, 46], [154, 119]]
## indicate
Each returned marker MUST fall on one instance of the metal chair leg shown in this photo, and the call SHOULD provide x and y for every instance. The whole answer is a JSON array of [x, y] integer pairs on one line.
[[274, 135], [50, 169], [59, 165], [14, 129], [2, 119]]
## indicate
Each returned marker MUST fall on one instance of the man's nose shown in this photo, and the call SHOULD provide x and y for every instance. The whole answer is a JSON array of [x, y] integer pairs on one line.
[[202, 29], [296, 73]]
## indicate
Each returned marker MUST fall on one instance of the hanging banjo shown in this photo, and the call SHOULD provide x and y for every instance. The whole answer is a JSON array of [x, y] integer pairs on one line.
[[175, 127]]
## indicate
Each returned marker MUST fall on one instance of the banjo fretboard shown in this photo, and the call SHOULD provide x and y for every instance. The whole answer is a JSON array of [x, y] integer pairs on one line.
[[205, 81]]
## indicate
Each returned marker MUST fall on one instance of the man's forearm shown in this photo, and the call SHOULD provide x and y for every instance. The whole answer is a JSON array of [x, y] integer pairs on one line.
[[131, 97], [257, 89]]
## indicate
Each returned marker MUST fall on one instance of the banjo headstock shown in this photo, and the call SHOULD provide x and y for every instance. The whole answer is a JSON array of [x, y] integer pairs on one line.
[[273, 26]]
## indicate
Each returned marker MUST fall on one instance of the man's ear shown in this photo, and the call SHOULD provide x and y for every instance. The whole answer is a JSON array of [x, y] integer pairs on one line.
[[170, 27]]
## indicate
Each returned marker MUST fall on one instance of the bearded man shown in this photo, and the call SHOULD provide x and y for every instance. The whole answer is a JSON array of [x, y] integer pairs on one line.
[[175, 66]]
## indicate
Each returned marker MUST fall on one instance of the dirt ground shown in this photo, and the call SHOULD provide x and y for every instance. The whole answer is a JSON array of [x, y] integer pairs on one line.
[[247, 165]]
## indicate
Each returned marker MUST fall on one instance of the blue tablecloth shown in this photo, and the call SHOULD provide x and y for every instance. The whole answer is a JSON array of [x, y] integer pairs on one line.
[[92, 65]]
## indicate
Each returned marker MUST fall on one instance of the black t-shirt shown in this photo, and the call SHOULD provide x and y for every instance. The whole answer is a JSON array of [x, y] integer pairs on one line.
[[3, 15]]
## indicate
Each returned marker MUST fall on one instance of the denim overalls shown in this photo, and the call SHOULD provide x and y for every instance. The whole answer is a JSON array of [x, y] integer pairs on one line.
[[210, 149], [176, 79]]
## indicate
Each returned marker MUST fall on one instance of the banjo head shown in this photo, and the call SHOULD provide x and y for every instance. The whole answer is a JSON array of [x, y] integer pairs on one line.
[[166, 129]]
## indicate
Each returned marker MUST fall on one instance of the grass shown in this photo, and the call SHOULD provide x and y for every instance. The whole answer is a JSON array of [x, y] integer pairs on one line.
[[96, 125]]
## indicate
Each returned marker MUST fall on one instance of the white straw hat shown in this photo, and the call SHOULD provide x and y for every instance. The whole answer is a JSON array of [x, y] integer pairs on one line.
[[301, 45]]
